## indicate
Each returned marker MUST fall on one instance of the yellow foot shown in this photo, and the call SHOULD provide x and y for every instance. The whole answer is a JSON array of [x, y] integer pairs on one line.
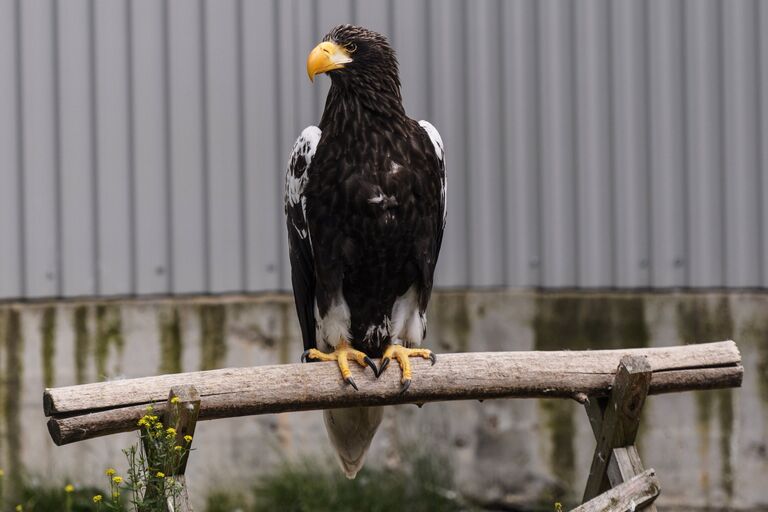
[[402, 354], [341, 355]]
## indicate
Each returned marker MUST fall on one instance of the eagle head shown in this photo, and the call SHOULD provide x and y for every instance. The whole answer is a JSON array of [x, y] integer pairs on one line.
[[349, 53]]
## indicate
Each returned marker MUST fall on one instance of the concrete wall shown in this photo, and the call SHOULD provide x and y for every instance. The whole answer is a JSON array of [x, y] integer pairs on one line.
[[709, 448]]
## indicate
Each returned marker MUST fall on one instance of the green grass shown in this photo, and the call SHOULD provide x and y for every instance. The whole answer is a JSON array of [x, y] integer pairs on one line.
[[44, 498], [423, 485]]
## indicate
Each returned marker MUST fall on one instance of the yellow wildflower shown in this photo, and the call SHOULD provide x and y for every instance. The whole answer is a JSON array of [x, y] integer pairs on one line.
[[19, 508], [558, 507], [117, 479], [69, 488], [171, 431], [97, 498], [116, 494], [175, 400], [160, 474], [178, 448], [110, 472], [2, 473], [188, 439]]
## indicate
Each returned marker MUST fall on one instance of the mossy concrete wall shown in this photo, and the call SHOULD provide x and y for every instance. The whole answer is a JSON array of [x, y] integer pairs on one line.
[[710, 448]]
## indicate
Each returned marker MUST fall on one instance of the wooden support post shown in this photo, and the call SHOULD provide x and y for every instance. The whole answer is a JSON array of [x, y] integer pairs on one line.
[[615, 423], [634, 494], [181, 412]]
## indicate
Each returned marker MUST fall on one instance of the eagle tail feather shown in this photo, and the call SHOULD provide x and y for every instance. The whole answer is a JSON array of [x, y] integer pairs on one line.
[[351, 432]]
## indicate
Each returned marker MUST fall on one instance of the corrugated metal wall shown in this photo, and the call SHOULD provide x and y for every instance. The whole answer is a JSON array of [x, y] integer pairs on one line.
[[594, 143]]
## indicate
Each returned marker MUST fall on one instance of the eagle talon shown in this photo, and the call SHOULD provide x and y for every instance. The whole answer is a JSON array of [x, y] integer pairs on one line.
[[402, 355], [341, 354], [384, 363], [373, 366]]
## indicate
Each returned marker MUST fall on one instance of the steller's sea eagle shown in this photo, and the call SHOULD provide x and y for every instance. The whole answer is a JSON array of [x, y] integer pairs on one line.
[[365, 204]]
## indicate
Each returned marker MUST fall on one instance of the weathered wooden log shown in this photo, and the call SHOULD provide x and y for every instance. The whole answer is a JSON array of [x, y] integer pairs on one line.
[[92, 410], [620, 421], [629, 496]]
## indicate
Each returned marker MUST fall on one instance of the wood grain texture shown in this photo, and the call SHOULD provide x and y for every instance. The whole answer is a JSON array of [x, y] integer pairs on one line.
[[621, 419], [92, 410], [629, 496]]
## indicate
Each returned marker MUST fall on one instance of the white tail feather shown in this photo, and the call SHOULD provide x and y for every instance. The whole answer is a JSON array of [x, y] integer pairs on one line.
[[351, 432]]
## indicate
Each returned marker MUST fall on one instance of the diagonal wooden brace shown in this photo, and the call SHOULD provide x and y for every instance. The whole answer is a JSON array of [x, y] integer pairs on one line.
[[181, 413], [615, 422], [633, 494]]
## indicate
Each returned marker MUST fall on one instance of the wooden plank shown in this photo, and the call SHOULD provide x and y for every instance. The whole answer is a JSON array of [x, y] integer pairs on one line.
[[92, 410], [625, 462], [629, 496], [595, 408], [567, 371], [621, 419], [181, 412]]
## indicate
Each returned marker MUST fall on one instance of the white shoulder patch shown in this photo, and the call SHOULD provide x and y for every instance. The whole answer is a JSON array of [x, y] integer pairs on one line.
[[296, 178], [296, 175], [311, 135], [434, 136]]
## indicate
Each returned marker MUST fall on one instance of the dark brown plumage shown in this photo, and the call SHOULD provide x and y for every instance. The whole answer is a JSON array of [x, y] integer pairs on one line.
[[365, 206]]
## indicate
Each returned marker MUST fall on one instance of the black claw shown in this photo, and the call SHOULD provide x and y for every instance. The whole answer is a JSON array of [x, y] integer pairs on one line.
[[373, 366], [433, 358], [406, 385], [351, 382], [304, 356], [384, 364]]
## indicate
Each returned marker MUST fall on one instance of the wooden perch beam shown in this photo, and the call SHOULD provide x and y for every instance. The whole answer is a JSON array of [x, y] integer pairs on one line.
[[92, 410], [627, 497]]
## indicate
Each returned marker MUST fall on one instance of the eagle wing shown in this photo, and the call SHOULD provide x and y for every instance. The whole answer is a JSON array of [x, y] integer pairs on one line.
[[437, 144], [299, 241]]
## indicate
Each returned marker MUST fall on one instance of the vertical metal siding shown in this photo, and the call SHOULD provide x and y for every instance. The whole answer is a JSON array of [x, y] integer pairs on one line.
[[589, 144], [593, 140], [666, 143], [762, 53], [11, 254], [521, 155], [114, 236]]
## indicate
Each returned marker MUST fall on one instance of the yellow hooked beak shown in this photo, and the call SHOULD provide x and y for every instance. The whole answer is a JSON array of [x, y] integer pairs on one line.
[[325, 57]]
